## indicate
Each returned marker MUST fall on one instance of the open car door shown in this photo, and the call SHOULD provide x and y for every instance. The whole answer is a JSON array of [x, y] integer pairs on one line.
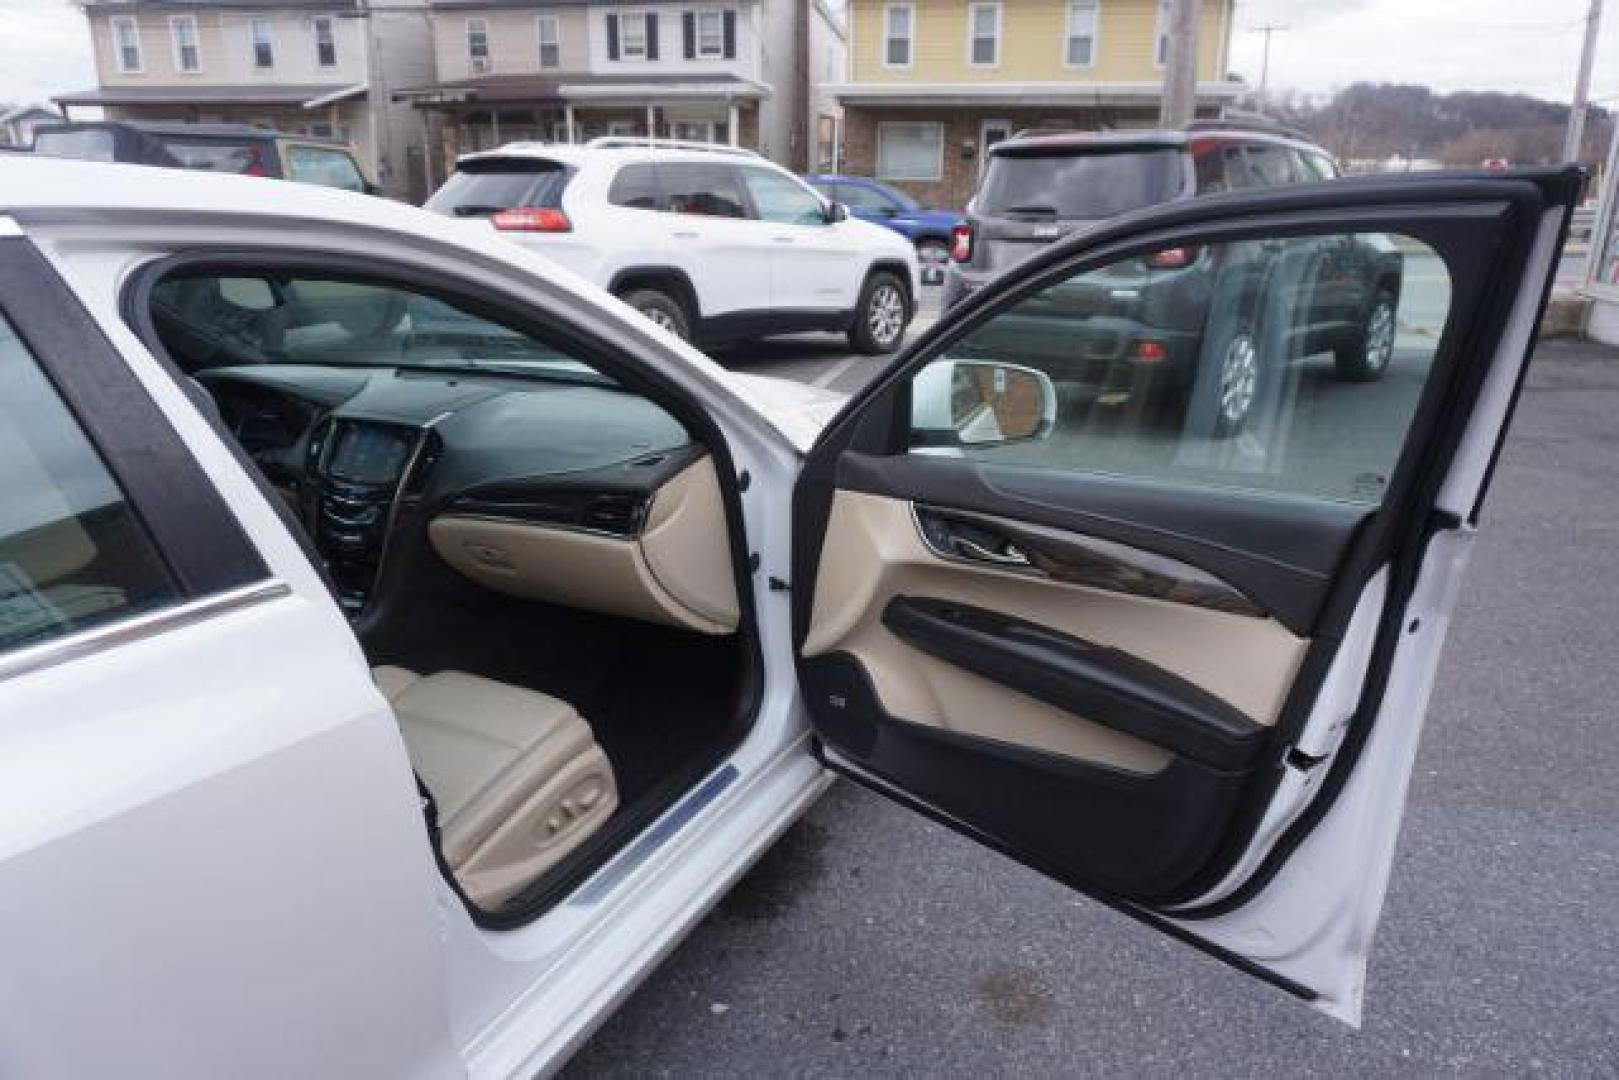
[[1138, 566]]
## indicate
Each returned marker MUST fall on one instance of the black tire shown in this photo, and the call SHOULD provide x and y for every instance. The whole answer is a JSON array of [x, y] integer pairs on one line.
[[881, 316], [1231, 381], [661, 309], [1365, 356]]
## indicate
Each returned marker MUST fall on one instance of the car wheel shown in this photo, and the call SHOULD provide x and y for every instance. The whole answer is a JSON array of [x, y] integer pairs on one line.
[[662, 310], [881, 316], [1366, 356], [1238, 370]]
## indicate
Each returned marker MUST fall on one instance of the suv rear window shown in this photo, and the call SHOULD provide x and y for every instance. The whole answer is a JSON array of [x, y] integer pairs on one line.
[[1079, 186], [88, 145], [488, 185]]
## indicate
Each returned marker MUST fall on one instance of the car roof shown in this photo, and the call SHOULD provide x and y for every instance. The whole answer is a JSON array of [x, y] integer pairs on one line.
[[182, 129], [578, 154], [1057, 141]]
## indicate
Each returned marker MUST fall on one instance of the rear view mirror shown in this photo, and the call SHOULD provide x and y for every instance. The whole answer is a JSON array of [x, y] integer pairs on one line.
[[980, 403]]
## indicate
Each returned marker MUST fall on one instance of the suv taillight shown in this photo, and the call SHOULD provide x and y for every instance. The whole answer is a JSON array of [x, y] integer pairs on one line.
[[1172, 258], [531, 219], [961, 243]]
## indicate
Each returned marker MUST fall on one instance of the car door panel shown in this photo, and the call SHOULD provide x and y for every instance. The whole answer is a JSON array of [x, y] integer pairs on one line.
[[1157, 686]]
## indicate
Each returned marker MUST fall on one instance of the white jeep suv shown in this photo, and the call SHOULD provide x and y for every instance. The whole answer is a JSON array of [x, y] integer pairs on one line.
[[714, 243]]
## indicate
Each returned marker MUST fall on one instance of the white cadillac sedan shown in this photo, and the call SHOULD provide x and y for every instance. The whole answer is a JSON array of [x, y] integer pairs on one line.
[[402, 643]]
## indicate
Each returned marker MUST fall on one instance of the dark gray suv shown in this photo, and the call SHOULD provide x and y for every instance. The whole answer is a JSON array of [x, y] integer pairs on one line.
[[1156, 314]]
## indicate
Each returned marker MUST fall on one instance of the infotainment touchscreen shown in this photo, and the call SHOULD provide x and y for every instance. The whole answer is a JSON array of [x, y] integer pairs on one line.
[[369, 453]]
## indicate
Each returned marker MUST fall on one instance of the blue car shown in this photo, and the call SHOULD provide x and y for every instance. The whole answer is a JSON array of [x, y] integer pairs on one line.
[[927, 228]]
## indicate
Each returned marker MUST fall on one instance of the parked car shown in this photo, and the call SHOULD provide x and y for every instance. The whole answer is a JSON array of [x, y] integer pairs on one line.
[[227, 148], [712, 243], [402, 644], [928, 228], [1146, 325]]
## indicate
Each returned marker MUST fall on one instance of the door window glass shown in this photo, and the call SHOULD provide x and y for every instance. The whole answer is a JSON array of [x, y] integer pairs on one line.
[[860, 197], [1271, 166], [782, 199], [635, 186], [73, 555], [1285, 365], [702, 188], [329, 168]]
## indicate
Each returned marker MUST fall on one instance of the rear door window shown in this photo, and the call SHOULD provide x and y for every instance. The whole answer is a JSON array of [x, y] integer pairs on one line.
[[250, 157], [487, 186], [707, 189], [1079, 186], [73, 554], [636, 186]]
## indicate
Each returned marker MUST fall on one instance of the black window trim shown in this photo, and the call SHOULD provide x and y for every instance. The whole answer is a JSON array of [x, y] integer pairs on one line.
[[195, 533]]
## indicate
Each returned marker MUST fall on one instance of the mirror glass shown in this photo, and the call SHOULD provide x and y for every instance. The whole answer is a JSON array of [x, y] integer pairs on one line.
[[978, 403]]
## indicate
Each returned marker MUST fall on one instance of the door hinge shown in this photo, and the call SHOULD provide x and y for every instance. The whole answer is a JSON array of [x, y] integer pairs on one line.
[[1302, 761], [778, 585]]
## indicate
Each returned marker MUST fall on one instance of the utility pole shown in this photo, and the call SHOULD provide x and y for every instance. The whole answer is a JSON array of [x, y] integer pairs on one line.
[[1264, 64], [1180, 65], [1582, 85]]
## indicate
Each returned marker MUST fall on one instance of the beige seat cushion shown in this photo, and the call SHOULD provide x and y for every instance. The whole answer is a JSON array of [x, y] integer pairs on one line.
[[517, 775]]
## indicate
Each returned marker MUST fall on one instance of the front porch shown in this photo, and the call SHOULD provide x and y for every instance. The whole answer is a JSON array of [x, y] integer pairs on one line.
[[487, 113]]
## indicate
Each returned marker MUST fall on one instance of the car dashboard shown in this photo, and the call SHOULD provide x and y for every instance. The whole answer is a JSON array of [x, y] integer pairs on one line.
[[541, 487]]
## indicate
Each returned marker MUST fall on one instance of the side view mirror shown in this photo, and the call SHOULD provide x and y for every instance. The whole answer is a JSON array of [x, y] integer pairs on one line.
[[980, 403], [370, 188], [836, 212]]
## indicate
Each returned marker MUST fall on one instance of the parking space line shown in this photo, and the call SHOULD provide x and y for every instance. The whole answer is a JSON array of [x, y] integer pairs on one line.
[[830, 376]]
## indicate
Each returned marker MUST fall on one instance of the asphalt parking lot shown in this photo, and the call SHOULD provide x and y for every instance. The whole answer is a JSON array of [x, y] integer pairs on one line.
[[871, 942]]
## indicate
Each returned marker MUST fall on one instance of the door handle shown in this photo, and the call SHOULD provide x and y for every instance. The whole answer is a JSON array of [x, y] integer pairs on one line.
[[1009, 555], [682, 234], [782, 239]]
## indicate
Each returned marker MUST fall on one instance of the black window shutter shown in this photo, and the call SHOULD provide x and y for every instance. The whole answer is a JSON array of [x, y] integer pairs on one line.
[[612, 37], [651, 35], [730, 34], [688, 32]]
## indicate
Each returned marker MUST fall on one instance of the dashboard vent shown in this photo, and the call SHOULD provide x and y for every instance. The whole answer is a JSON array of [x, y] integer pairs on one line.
[[619, 514]]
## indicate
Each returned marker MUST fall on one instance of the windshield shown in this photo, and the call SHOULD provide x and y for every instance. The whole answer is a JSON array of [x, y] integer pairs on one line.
[[211, 320], [905, 201], [488, 185], [1079, 186]]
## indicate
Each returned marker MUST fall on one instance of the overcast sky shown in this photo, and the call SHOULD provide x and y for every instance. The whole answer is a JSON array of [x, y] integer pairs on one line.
[[1448, 44]]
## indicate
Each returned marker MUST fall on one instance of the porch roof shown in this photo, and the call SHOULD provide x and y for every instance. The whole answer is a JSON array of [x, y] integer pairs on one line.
[[255, 94], [584, 89], [1074, 93]]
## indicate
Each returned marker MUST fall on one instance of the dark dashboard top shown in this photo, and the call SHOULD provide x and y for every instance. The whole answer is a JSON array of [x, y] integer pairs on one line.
[[494, 426]]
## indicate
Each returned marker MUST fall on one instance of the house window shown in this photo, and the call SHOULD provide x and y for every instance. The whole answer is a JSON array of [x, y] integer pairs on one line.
[[632, 36], [898, 26], [550, 33], [478, 44], [710, 35], [126, 39], [325, 43], [1079, 48], [183, 33], [910, 150], [983, 35], [1160, 34], [263, 44]]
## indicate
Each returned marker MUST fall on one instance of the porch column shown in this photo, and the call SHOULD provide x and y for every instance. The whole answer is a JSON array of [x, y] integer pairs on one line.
[[652, 121], [494, 125], [734, 122], [567, 121]]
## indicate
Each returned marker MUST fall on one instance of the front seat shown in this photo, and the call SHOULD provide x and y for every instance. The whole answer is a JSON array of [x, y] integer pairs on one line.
[[517, 776]]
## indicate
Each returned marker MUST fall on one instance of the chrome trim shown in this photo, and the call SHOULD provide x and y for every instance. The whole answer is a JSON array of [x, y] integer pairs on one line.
[[1072, 558], [100, 639]]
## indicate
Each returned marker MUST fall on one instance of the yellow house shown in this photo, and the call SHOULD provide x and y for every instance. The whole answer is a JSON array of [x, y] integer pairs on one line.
[[932, 83]]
